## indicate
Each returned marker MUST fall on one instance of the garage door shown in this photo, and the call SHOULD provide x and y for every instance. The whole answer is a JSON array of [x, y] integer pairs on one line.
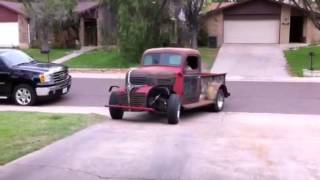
[[251, 31], [9, 34]]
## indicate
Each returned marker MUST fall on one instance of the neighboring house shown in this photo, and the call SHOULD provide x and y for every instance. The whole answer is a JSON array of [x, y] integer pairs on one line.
[[14, 25], [96, 21], [260, 21]]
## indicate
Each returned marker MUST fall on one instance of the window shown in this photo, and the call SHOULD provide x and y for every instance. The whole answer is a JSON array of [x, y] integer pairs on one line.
[[15, 57], [165, 59], [192, 63], [2, 65]]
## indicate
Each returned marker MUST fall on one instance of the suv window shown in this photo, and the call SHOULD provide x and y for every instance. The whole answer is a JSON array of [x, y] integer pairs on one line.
[[192, 63]]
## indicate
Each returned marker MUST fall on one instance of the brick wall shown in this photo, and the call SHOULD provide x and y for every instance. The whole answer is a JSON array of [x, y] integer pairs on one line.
[[23, 32]]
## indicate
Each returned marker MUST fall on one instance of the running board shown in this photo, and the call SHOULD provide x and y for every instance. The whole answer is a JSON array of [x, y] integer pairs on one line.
[[198, 104]]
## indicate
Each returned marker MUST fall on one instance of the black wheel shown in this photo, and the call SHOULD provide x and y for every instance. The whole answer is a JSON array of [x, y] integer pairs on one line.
[[174, 109], [116, 113], [219, 101], [24, 95]]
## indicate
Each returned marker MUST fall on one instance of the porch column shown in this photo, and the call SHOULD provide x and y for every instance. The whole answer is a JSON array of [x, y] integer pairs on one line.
[[285, 25], [81, 32]]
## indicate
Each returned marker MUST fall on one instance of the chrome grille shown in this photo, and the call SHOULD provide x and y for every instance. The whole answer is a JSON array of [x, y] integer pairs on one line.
[[138, 80], [137, 99], [60, 76]]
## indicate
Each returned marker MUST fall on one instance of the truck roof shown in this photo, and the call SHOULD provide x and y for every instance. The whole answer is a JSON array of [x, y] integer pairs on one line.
[[184, 51]]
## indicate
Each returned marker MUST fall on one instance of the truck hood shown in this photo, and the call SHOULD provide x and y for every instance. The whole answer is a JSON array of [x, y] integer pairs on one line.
[[156, 71], [40, 67]]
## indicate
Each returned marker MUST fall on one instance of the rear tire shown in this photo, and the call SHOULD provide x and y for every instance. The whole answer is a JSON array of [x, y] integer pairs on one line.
[[115, 113], [174, 109], [219, 101], [24, 95]]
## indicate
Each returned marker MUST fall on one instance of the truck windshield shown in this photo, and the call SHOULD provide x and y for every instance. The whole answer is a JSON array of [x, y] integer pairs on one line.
[[15, 57], [164, 59]]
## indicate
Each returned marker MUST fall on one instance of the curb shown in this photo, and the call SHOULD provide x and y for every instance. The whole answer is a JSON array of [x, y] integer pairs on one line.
[[57, 109]]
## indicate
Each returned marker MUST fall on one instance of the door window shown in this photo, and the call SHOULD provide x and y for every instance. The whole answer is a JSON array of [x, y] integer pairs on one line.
[[192, 64]]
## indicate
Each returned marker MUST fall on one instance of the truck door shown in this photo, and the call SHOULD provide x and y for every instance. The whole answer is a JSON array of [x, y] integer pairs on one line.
[[4, 81], [192, 80]]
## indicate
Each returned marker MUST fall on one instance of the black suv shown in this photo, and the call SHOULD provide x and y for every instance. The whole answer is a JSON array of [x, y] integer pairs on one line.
[[26, 80]]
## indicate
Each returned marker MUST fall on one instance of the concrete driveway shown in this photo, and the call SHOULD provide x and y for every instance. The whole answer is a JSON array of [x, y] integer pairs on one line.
[[251, 61], [206, 146]]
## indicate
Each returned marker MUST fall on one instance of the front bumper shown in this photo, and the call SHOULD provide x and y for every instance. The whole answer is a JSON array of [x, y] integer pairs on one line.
[[131, 108], [58, 89]]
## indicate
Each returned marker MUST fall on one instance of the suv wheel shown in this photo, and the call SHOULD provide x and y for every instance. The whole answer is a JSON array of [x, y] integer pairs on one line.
[[24, 95], [174, 109], [115, 113]]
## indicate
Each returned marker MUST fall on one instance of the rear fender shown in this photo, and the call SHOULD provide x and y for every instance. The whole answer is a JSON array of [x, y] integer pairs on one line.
[[225, 90]]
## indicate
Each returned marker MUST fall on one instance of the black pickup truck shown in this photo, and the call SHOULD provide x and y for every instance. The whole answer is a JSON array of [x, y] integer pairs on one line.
[[26, 80]]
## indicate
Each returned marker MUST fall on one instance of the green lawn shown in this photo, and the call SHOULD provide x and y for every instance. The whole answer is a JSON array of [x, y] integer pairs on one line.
[[54, 54], [299, 59], [22, 132], [208, 56], [100, 59], [112, 59]]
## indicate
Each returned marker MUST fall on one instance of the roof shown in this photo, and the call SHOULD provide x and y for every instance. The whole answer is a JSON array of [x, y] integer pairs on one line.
[[217, 6], [173, 50], [226, 5], [14, 6], [82, 7]]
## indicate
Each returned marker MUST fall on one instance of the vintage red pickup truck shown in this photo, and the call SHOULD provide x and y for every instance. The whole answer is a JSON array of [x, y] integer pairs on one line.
[[169, 81]]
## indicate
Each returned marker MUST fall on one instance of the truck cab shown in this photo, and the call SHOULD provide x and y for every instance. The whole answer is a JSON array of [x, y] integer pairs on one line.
[[25, 80], [169, 80]]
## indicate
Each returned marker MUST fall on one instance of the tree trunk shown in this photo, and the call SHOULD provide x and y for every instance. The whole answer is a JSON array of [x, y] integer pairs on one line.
[[194, 39], [44, 39]]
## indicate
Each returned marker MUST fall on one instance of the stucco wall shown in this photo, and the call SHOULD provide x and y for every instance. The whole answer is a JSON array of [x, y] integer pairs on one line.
[[285, 25], [23, 32], [214, 26]]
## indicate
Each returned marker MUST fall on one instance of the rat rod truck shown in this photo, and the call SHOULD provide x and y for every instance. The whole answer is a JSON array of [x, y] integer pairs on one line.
[[168, 81]]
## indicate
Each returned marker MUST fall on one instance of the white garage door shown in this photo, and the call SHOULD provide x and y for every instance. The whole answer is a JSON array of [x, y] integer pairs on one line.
[[9, 34], [251, 31]]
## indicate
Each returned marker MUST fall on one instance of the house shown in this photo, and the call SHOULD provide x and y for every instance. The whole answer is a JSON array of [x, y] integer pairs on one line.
[[14, 25], [96, 20], [260, 21]]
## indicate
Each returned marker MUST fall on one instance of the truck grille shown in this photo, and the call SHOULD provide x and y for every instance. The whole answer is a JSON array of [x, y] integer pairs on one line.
[[60, 76], [138, 80], [137, 99]]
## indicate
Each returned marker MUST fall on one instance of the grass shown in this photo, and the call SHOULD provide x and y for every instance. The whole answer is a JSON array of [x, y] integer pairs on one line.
[[100, 59], [54, 54], [23, 132], [299, 59], [112, 59], [208, 56]]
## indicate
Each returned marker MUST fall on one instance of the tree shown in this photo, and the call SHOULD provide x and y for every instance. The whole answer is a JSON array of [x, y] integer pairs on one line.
[[140, 26], [47, 13], [193, 9]]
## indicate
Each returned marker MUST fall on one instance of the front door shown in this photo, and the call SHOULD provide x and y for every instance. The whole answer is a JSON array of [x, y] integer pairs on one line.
[[4, 81], [192, 80]]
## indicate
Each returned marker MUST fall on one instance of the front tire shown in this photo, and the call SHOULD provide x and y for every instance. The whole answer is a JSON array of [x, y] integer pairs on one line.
[[174, 109], [219, 101], [24, 95], [115, 113]]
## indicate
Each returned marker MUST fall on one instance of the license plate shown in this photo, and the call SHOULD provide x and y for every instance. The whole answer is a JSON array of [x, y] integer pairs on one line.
[[64, 90]]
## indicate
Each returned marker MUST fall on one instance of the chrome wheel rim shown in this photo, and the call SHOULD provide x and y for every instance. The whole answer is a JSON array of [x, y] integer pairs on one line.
[[220, 100], [179, 112], [23, 96]]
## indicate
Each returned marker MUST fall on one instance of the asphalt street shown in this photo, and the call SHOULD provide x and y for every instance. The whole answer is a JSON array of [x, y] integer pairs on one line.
[[260, 135], [252, 97]]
